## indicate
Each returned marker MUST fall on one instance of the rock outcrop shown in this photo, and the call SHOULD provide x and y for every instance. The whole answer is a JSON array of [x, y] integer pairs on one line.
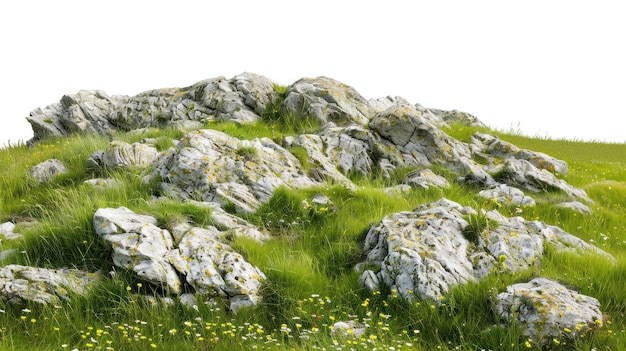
[[198, 255], [21, 283], [243, 98], [211, 166], [424, 253], [545, 310], [327, 100]]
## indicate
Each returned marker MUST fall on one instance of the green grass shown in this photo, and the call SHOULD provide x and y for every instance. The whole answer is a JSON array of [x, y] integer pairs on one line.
[[309, 261]]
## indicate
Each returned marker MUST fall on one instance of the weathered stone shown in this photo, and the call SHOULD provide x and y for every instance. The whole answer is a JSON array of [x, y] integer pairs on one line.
[[425, 178], [22, 283], [427, 251], [546, 309], [327, 169], [138, 244], [493, 146], [209, 266], [86, 111], [215, 269], [47, 170], [381, 104], [328, 101], [121, 154], [211, 166], [454, 116], [408, 139], [148, 109], [507, 195], [6, 230], [422, 252], [576, 206], [523, 174]]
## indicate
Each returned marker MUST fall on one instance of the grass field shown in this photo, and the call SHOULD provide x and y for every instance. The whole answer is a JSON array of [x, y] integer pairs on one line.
[[309, 262]]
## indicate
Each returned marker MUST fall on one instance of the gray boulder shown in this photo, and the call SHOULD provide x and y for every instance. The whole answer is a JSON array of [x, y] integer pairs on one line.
[[576, 206], [489, 145], [327, 100], [211, 166], [405, 138], [22, 283], [121, 154], [420, 254], [507, 195], [138, 245], [86, 111], [213, 268], [546, 309], [433, 248], [47, 170], [199, 255], [523, 174], [425, 178], [243, 98]]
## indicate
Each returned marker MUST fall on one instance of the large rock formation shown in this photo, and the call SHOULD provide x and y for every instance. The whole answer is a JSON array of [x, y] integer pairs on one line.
[[424, 253], [243, 98]]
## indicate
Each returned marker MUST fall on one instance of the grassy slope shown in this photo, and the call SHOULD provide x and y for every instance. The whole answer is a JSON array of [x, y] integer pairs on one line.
[[309, 262]]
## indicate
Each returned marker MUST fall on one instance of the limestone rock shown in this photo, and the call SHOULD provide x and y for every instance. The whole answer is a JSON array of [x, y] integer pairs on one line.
[[6, 231], [215, 269], [328, 101], [208, 265], [326, 169], [422, 252], [409, 139], [425, 178], [86, 111], [22, 283], [454, 116], [428, 251], [492, 145], [545, 309], [507, 195], [121, 154], [138, 245], [523, 174], [243, 98], [47, 170], [211, 166], [576, 206]]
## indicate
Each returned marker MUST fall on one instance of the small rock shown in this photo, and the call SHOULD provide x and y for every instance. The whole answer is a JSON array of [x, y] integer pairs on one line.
[[576, 206], [545, 309], [425, 178], [6, 230], [507, 195], [121, 154], [47, 170]]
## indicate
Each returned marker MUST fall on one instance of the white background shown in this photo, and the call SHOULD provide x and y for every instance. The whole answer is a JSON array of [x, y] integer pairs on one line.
[[548, 68]]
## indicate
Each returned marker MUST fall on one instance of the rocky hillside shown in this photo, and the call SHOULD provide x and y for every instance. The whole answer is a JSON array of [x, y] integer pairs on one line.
[[419, 255]]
